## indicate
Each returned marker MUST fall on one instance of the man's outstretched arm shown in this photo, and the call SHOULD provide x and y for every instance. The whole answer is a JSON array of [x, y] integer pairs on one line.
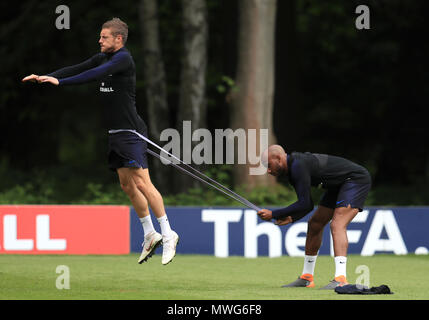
[[64, 72], [77, 68], [298, 209], [120, 61]]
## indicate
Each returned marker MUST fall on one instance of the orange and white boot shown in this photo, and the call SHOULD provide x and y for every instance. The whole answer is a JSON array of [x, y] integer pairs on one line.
[[338, 281], [305, 280]]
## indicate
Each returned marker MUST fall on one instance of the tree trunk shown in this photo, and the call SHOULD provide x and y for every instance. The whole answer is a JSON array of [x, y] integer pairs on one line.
[[193, 104], [155, 83], [194, 63], [252, 99]]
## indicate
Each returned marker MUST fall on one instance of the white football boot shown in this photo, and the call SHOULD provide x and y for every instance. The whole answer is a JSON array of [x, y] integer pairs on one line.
[[151, 241], [169, 247]]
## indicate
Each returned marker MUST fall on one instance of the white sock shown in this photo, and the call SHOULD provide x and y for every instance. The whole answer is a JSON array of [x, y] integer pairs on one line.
[[165, 226], [309, 264], [147, 225], [340, 266]]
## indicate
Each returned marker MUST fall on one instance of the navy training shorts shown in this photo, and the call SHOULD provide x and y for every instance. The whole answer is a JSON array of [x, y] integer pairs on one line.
[[127, 150], [349, 193]]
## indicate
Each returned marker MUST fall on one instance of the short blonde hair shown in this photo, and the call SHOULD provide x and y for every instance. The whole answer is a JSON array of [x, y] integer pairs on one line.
[[117, 27]]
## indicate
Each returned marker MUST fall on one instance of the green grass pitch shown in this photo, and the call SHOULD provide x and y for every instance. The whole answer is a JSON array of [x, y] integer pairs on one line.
[[198, 277]]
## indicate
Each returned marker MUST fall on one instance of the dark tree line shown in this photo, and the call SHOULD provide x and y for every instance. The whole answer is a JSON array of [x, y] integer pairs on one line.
[[361, 94]]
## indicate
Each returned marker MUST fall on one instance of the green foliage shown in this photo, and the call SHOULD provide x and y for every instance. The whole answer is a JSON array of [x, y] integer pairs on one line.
[[61, 185], [98, 194], [226, 84], [262, 197], [271, 196], [221, 174], [390, 195], [26, 194], [94, 193]]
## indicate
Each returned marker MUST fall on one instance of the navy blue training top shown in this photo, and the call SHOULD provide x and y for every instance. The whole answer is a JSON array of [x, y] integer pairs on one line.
[[116, 73], [311, 169]]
